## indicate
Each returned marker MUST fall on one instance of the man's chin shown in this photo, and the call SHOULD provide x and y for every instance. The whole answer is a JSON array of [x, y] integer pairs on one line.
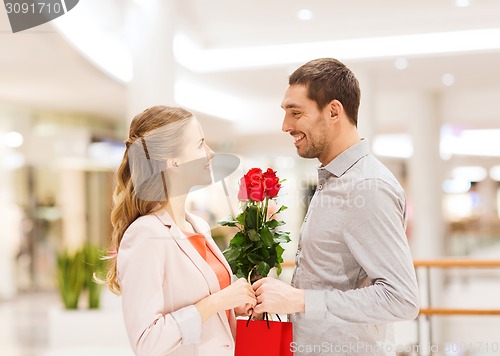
[[308, 155]]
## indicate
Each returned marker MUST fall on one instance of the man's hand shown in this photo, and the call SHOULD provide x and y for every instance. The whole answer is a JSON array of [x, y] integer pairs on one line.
[[276, 297]]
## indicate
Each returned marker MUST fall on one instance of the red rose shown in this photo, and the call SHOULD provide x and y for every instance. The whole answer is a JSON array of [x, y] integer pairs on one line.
[[252, 186], [271, 183]]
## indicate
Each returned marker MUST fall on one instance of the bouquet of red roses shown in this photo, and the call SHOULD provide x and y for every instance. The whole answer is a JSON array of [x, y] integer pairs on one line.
[[255, 248]]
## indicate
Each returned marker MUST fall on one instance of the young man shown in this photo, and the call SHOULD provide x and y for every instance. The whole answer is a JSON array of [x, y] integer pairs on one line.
[[354, 272]]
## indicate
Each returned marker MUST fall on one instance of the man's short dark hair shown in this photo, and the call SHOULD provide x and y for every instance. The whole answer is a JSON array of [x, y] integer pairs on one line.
[[327, 79]]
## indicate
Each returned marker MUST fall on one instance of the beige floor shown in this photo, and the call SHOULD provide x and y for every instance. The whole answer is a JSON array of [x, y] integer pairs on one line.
[[27, 329], [34, 324]]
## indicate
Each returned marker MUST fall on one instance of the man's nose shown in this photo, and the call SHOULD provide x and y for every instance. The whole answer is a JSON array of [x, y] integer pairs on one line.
[[285, 126]]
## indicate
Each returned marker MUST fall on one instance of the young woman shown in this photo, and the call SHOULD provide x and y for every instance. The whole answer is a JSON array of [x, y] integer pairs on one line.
[[175, 283]]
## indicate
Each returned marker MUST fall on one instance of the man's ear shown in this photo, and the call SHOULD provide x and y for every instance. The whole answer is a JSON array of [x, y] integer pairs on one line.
[[335, 108]]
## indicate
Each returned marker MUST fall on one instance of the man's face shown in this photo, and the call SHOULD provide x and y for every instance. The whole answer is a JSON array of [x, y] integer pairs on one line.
[[305, 122]]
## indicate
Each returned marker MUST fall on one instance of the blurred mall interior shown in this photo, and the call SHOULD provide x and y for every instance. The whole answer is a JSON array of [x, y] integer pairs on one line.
[[430, 110]]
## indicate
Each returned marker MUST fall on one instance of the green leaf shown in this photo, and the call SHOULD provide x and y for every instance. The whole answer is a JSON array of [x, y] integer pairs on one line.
[[228, 221], [281, 237], [247, 245], [256, 246], [240, 218], [232, 253], [253, 235], [254, 258], [282, 208], [263, 268], [238, 239], [240, 274], [279, 251], [272, 224], [267, 237], [251, 213], [278, 268], [265, 252]]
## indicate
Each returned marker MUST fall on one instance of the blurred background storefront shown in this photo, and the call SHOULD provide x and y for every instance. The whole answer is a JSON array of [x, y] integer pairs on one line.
[[430, 92]]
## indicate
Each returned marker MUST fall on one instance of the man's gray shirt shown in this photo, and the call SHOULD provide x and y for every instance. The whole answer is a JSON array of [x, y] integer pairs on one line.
[[353, 260]]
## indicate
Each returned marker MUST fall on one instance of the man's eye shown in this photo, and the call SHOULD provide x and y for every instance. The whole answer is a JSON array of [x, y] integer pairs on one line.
[[295, 113]]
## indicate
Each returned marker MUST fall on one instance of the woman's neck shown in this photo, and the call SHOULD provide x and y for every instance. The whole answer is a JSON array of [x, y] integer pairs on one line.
[[176, 207]]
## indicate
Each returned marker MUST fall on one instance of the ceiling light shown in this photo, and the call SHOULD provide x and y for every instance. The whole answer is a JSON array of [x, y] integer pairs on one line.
[[12, 139], [393, 145], [401, 63], [462, 3], [456, 186], [469, 173], [495, 173], [198, 59], [482, 143], [305, 14], [448, 79]]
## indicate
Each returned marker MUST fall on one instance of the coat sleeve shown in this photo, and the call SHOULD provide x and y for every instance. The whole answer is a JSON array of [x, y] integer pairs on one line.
[[141, 268]]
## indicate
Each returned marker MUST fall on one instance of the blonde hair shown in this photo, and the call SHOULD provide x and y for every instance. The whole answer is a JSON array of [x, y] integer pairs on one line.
[[155, 135]]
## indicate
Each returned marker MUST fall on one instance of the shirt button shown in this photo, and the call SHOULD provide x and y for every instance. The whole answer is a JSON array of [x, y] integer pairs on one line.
[[320, 186], [227, 346]]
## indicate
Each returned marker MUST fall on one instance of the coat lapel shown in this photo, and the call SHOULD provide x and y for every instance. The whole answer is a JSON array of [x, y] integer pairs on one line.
[[186, 246]]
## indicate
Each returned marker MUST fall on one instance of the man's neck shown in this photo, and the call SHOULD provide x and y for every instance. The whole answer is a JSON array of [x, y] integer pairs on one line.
[[343, 143]]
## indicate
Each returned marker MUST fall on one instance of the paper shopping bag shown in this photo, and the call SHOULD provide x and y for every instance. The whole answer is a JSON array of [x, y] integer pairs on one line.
[[263, 338]]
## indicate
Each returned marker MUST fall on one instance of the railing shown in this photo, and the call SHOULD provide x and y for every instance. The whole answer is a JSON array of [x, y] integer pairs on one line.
[[455, 263], [445, 263]]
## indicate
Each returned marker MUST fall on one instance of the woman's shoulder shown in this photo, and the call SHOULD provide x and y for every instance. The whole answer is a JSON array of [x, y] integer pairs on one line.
[[146, 225]]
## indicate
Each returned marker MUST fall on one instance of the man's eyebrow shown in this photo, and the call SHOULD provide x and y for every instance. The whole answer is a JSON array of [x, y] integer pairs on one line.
[[290, 106]]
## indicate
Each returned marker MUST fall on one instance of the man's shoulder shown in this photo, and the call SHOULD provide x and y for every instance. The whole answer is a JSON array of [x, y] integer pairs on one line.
[[370, 170]]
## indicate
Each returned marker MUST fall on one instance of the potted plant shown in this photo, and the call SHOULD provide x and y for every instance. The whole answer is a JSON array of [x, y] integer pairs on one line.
[[71, 276]]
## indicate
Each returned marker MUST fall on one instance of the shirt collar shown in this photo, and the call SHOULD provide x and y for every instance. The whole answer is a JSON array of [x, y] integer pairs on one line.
[[345, 160]]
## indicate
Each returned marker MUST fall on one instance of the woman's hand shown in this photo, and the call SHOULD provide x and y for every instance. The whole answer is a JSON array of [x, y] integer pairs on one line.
[[244, 310], [237, 294]]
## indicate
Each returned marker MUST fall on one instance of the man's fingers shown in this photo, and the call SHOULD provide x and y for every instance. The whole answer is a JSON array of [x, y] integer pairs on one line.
[[256, 285]]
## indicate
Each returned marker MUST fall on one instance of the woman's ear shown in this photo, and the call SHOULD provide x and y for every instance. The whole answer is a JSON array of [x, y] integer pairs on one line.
[[172, 163]]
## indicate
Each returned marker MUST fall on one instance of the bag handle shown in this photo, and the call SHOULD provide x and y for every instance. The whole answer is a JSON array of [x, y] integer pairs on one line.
[[266, 317]]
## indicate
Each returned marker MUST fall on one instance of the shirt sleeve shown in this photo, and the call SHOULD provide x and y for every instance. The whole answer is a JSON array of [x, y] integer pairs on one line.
[[374, 232], [141, 269]]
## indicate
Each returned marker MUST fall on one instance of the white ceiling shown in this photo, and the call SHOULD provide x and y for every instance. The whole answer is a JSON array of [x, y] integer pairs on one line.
[[229, 23], [39, 69]]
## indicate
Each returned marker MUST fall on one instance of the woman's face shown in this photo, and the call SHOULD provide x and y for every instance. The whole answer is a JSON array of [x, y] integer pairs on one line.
[[193, 163]]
